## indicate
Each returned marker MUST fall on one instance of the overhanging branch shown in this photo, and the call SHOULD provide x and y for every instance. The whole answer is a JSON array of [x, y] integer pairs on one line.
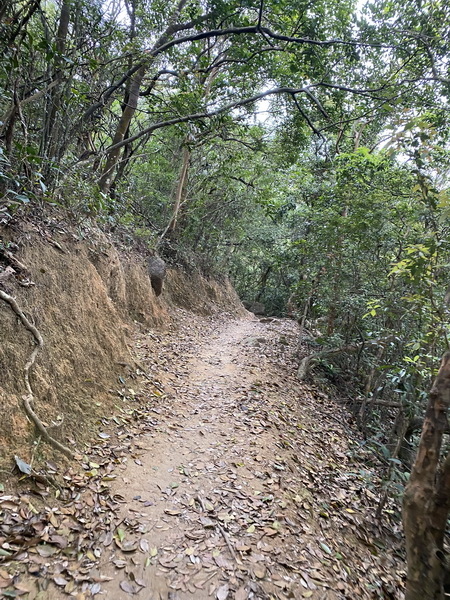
[[232, 105]]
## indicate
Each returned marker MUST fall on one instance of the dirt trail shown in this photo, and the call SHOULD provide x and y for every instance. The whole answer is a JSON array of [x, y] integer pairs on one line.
[[234, 484], [235, 508], [219, 519]]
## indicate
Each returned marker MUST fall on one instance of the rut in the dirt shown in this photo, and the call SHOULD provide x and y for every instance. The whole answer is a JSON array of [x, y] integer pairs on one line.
[[233, 484]]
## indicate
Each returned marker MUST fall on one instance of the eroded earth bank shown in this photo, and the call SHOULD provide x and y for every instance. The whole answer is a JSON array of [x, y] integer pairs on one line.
[[221, 477]]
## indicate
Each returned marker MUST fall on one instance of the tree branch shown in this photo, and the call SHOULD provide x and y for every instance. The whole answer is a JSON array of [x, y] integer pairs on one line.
[[268, 33], [162, 45], [228, 107], [305, 116], [307, 362]]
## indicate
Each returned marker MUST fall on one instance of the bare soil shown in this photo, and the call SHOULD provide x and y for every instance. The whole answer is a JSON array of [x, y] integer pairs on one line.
[[234, 482], [85, 293]]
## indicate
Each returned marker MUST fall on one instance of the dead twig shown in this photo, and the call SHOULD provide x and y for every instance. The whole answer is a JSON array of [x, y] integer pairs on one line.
[[221, 530], [228, 543]]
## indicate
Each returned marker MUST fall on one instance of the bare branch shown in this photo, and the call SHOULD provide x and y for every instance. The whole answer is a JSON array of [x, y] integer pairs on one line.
[[319, 105], [305, 116], [267, 32], [240, 180], [308, 361], [155, 78], [164, 44], [260, 14]]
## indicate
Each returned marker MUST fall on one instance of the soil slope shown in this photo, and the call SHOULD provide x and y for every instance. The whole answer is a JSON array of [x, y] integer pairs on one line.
[[86, 293], [227, 480]]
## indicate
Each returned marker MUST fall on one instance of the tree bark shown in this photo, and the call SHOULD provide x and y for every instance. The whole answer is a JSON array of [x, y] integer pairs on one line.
[[127, 114], [263, 282], [179, 192], [426, 501], [130, 105], [53, 143], [180, 187]]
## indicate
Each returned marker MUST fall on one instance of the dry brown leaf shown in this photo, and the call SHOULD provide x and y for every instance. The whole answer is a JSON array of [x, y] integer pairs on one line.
[[129, 588], [260, 571], [4, 583], [241, 594], [222, 592]]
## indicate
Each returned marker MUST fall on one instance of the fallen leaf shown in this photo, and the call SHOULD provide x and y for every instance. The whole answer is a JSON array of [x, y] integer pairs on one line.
[[222, 592], [4, 583], [130, 546], [129, 588], [120, 564], [241, 594], [23, 466], [260, 572], [326, 548], [45, 550]]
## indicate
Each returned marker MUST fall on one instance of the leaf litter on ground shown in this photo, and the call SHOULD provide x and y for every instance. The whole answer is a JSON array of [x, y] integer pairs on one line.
[[306, 527]]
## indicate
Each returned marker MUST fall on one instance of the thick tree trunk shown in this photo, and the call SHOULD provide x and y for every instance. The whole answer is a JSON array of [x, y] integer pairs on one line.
[[426, 502]]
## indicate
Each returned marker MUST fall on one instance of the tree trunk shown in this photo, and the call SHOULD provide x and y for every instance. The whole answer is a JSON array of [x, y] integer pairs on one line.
[[337, 283], [131, 101], [127, 114], [426, 502], [53, 141], [179, 192], [263, 282]]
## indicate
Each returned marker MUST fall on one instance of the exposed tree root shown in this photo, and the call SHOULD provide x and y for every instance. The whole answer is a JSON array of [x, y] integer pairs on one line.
[[29, 397]]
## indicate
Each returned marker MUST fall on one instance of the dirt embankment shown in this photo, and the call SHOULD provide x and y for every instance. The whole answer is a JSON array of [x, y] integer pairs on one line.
[[86, 298]]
